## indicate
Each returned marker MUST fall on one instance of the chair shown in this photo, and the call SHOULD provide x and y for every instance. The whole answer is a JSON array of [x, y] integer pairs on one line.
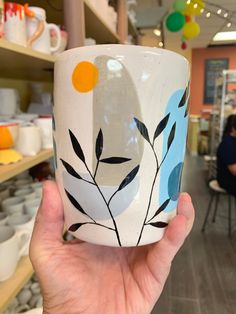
[[217, 191]]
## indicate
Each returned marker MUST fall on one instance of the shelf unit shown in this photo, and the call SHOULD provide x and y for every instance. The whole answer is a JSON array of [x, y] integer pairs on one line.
[[19, 62], [227, 78], [9, 171]]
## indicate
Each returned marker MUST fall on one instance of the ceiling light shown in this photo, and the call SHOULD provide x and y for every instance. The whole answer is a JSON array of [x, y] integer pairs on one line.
[[161, 44], [229, 24], [157, 32], [226, 14], [219, 11], [224, 36], [208, 14]]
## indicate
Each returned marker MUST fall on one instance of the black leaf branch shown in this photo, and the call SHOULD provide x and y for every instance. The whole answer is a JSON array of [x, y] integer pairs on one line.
[[184, 98], [160, 209], [76, 204], [72, 171], [129, 178], [115, 160], [142, 129], [159, 224], [99, 144], [76, 146], [144, 132], [76, 226], [161, 126], [171, 136]]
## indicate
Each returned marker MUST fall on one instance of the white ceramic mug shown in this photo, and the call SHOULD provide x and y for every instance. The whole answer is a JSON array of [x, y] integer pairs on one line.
[[45, 125], [31, 206], [24, 223], [13, 205], [120, 140], [11, 249], [3, 219], [15, 24], [29, 140], [9, 101], [43, 43]]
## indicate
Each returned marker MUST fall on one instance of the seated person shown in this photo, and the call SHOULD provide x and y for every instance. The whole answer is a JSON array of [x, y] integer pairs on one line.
[[226, 157]]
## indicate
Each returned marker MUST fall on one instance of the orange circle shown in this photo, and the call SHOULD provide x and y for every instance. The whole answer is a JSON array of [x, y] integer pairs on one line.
[[85, 76]]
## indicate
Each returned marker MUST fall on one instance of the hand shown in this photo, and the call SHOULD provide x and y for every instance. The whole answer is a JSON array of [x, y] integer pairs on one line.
[[78, 277]]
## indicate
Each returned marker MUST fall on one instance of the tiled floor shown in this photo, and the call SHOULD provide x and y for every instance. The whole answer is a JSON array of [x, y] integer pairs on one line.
[[203, 275]]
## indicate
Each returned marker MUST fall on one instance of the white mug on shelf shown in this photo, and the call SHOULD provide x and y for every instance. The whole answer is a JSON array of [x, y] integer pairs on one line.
[[29, 140], [12, 247], [43, 42], [13, 205], [15, 24], [25, 223], [45, 125], [9, 101]]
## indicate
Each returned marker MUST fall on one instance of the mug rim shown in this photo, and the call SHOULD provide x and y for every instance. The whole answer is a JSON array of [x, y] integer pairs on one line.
[[12, 234], [96, 49]]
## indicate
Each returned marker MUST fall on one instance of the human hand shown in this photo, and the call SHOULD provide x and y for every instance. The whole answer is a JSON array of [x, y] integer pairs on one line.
[[78, 277]]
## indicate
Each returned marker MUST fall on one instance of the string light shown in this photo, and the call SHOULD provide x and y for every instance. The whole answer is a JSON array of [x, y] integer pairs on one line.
[[189, 1], [161, 44], [226, 14], [219, 11], [208, 14], [229, 24], [195, 5], [202, 10]]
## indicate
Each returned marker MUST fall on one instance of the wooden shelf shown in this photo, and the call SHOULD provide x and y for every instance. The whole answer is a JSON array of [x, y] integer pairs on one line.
[[97, 28], [20, 62], [9, 171], [132, 30], [10, 287]]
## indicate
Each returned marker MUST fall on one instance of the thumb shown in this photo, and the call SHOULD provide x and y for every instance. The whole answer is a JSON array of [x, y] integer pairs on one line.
[[49, 222]]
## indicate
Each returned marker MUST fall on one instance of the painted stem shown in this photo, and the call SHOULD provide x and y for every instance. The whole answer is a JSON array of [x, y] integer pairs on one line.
[[88, 181], [153, 184], [96, 169], [112, 217], [98, 224]]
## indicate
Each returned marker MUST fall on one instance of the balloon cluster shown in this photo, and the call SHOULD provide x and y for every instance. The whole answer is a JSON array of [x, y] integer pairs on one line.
[[183, 18]]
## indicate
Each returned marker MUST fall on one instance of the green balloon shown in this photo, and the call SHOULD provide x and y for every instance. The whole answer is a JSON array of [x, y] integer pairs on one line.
[[175, 21], [179, 5]]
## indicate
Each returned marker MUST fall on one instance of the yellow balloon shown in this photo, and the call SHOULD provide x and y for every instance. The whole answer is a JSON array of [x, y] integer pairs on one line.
[[194, 7], [191, 30]]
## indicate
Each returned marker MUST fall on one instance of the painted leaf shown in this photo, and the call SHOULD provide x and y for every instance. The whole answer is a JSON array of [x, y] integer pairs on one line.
[[115, 160], [99, 144], [171, 136], [53, 123], [159, 224], [174, 181], [77, 148], [183, 99], [161, 208], [70, 169], [75, 203], [75, 227], [186, 112], [161, 126], [129, 178], [142, 129]]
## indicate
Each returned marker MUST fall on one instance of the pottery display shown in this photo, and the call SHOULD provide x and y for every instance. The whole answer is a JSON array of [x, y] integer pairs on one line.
[[29, 141], [119, 142], [11, 249], [42, 43], [8, 135], [15, 24], [9, 101]]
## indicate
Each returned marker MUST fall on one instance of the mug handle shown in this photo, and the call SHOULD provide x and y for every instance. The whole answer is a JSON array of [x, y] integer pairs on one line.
[[40, 28], [22, 246], [58, 34]]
